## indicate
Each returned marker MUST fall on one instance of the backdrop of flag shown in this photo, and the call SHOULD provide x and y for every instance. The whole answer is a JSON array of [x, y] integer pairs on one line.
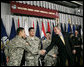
[[48, 27], [18, 23], [37, 31], [3, 41], [69, 28], [64, 27], [81, 32], [79, 29], [33, 24], [43, 34], [3, 30], [74, 29], [26, 27], [13, 30], [53, 33], [61, 27]]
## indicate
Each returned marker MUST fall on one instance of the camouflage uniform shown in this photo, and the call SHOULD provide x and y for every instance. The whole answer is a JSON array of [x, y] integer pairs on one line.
[[33, 54], [16, 49], [49, 59]]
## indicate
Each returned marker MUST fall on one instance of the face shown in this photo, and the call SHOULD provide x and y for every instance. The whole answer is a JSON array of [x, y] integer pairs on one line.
[[76, 32], [56, 30], [32, 32], [22, 33], [48, 35]]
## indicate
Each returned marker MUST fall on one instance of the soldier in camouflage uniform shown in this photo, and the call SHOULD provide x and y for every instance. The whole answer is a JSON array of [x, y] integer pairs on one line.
[[33, 49], [50, 57], [16, 48]]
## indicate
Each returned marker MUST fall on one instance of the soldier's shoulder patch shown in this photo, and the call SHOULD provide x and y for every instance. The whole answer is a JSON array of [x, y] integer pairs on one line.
[[28, 38], [36, 38], [71, 35]]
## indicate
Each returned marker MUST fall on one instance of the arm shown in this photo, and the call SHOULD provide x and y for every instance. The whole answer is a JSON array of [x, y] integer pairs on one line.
[[53, 42]]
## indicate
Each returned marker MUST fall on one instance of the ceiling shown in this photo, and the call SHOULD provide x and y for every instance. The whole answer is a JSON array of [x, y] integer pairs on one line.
[[72, 4]]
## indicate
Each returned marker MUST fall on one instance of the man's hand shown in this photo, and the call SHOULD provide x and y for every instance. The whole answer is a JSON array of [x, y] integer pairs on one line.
[[7, 59], [27, 44], [54, 55], [74, 51], [42, 52]]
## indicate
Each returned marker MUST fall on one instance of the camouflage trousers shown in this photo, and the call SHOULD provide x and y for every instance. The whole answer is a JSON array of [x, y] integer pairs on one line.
[[49, 61], [32, 61], [14, 62]]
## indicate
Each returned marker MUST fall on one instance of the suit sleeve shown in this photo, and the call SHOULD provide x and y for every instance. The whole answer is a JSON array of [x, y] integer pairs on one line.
[[71, 42], [53, 42]]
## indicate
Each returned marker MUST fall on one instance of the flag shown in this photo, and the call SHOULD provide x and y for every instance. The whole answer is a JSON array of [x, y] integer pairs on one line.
[[79, 29], [37, 31], [18, 23], [13, 31], [43, 34], [74, 29], [69, 28], [81, 32], [64, 27], [53, 33], [3, 41], [3, 30], [61, 27], [33, 24], [26, 27], [48, 26]]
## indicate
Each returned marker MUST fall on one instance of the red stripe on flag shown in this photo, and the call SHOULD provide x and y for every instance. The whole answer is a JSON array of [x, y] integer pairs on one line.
[[43, 29], [48, 27], [18, 23], [33, 24]]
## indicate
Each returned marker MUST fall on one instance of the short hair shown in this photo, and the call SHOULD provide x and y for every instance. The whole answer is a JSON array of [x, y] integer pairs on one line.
[[30, 28], [19, 29], [57, 27], [48, 32]]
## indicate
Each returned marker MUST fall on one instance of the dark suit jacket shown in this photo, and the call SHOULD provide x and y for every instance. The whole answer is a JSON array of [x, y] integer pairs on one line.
[[62, 49]]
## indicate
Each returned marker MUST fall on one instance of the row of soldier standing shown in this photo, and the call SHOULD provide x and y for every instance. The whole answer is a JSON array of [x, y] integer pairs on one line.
[[60, 46]]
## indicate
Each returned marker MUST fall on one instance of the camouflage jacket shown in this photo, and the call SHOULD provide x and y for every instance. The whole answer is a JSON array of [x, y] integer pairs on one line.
[[54, 50], [16, 49], [34, 46]]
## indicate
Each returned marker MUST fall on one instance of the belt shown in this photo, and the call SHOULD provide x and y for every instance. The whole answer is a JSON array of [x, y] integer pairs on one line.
[[76, 46], [50, 56]]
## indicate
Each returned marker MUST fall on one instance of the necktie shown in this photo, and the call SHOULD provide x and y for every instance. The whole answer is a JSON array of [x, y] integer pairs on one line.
[[62, 39]]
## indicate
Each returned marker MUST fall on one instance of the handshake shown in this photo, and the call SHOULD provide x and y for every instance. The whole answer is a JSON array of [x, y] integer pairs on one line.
[[42, 52]]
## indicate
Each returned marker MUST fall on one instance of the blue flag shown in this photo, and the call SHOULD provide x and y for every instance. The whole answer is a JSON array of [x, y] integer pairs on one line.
[[38, 34], [53, 33], [3, 30], [3, 33], [69, 28], [13, 31], [79, 29], [62, 27], [74, 29], [37, 31]]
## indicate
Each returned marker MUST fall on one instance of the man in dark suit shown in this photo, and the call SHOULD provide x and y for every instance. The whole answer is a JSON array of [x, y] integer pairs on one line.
[[63, 42], [77, 41]]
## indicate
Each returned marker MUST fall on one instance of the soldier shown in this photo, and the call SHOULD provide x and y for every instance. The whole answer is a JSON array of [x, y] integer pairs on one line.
[[34, 49], [50, 58], [77, 41], [16, 48]]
